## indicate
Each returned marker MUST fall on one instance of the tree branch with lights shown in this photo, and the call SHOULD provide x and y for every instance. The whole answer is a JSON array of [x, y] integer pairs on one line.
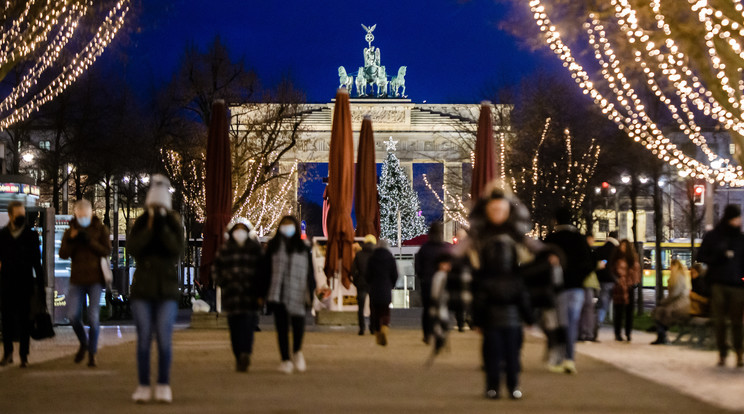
[[36, 45], [684, 56]]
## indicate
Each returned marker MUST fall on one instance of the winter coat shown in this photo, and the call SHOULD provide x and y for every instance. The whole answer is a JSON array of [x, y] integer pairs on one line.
[[19, 259], [722, 269], [500, 298], [290, 275], [674, 308], [604, 253], [700, 297], [382, 274], [627, 277], [359, 267], [236, 270], [579, 262], [85, 251], [425, 263], [157, 251]]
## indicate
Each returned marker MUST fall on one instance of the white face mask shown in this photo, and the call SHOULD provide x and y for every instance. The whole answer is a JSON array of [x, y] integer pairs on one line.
[[288, 230], [240, 236]]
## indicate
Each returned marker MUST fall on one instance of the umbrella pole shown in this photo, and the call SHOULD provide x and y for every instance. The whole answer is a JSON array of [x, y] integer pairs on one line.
[[337, 286]]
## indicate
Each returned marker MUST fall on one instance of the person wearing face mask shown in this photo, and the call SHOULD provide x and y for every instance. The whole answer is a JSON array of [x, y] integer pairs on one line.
[[236, 270], [288, 266], [156, 242], [20, 257], [85, 243]]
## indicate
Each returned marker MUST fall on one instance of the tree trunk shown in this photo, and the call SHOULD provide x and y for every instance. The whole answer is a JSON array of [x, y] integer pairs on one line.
[[692, 217], [658, 227], [634, 206], [107, 196]]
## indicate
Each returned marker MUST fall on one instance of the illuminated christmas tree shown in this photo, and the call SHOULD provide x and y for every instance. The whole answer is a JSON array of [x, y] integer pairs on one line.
[[397, 196]]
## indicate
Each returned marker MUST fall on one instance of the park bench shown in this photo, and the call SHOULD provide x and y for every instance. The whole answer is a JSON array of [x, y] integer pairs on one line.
[[697, 331]]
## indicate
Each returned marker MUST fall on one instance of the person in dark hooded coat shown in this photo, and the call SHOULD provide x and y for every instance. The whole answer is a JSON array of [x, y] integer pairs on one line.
[[382, 273]]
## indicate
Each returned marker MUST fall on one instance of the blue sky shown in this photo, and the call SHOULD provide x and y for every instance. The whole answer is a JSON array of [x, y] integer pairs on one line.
[[454, 51]]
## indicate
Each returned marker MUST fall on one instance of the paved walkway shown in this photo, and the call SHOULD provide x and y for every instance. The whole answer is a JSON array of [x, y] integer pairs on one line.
[[346, 374]]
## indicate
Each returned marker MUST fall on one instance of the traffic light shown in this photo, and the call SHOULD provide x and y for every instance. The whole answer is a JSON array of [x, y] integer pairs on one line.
[[605, 189], [698, 194]]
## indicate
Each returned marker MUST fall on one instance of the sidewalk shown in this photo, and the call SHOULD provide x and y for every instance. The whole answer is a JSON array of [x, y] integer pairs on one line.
[[690, 371], [346, 374]]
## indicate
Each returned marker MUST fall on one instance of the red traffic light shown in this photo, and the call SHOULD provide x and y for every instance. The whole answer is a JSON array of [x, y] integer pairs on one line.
[[605, 184], [699, 189]]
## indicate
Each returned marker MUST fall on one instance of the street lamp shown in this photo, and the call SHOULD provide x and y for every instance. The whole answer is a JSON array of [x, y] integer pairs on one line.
[[625, 179], [28, 157]]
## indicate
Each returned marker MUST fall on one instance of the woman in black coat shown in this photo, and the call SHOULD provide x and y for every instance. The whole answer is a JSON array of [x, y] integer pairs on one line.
[[382, 273]]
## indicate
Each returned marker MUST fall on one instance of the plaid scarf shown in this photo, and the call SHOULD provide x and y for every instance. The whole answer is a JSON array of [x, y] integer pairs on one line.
[[289, 280]]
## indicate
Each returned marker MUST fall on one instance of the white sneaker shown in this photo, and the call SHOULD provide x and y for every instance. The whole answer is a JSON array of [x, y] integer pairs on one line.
[[142, 394], [570, 367], [299, 362], [286, 367], [163, 393]]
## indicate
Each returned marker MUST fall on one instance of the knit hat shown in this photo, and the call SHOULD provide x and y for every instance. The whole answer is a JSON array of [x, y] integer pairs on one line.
[[244, 221], [370, 238], [159, 192], [731, 211]]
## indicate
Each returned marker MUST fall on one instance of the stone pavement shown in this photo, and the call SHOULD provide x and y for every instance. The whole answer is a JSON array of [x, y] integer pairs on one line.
[[346, 374]]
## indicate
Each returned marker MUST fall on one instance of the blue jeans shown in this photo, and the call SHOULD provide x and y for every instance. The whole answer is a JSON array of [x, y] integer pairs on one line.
[[570, 302], [75, 298], [159, 316], [605, 299]]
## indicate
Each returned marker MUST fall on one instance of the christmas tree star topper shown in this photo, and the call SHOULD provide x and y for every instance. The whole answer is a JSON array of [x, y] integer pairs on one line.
[[391, 144]]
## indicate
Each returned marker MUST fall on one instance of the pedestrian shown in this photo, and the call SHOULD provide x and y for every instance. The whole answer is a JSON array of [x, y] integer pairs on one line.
[[20, 257], [627, 272], [500, 299], [699, 292], [588, 318], [382, 274], [722, 250], [236, 270], [605, 276], [425, 265], [85, 244], [156, 242], [439, 301], [675, 307], [359, 278], [577, 265], [289, 268]]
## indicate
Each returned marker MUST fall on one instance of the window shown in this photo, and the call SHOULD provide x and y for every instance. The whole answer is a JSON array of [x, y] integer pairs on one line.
[[604, 226], [45, 145], [732, 148]]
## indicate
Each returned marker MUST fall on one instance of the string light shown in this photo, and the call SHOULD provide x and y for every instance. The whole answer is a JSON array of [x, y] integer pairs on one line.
[[28, 33], [628, 112], [265, 205]]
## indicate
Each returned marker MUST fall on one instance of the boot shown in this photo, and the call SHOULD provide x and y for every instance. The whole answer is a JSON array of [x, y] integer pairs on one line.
[[92, 360], [739, 359], [244, 361], [24, 362], [80, 355], [7, 360]]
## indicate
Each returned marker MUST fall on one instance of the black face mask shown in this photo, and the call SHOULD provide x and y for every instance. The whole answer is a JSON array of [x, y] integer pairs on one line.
[[19, 221]]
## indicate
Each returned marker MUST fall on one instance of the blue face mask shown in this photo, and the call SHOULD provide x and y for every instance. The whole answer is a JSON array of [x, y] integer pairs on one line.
[[84, 221], [288, 230]]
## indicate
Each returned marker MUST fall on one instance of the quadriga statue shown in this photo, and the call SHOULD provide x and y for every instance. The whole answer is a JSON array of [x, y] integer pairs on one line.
[[344, 80], [399, 82]]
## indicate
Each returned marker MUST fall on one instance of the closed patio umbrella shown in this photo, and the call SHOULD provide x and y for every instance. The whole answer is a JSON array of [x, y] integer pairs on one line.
[[340, 192], [484, 168], [366, 203], [218, 187]]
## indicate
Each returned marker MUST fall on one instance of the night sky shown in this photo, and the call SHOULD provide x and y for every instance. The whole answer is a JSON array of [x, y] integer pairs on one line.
[[454, 50]]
